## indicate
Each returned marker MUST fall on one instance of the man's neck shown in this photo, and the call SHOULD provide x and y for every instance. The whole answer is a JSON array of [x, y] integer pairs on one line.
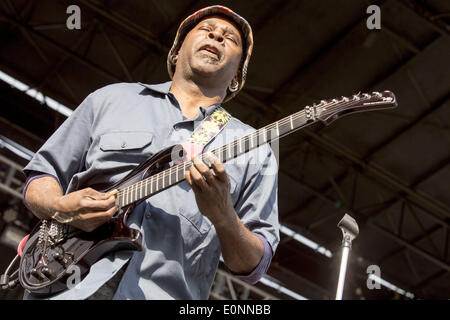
[[191, 96]]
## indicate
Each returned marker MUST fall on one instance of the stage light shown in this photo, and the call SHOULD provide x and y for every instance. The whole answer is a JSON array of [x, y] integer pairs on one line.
[[51, 103], [305, 241], [16, 148], [267, 282], [391, 286]]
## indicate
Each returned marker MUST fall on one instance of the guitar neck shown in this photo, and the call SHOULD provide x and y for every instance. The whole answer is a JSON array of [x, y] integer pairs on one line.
[[326, 111], [167, 178]]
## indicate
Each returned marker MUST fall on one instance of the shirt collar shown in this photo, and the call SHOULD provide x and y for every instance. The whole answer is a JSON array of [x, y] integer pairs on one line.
[[164, 88], [160, 87]]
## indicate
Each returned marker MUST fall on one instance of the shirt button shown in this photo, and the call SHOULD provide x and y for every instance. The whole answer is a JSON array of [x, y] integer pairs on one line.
[[181, 211], [124, 144], [147, 215]]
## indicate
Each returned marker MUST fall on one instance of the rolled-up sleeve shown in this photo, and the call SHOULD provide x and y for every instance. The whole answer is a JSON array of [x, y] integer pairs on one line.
[[63, 154], [257, 207]]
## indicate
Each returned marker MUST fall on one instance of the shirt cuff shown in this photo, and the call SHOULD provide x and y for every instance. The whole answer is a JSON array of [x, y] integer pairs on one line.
[[263, 265], [33, 175]]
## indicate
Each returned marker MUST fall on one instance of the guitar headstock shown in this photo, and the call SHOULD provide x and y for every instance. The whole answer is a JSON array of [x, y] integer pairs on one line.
[[330, 110]]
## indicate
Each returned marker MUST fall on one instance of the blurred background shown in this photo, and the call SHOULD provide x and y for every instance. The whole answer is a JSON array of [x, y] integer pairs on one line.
[[388, 169]]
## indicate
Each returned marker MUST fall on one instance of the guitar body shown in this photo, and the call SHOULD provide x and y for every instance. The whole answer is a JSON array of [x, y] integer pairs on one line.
[[53, 268]]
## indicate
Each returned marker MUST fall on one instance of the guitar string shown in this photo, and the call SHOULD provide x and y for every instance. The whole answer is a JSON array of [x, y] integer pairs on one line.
[[163, 175], [332, 106], [169, 172]]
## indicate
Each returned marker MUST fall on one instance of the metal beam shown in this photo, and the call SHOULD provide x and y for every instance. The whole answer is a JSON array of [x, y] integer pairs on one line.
[[380, 174], [398, 133], [230, 279], [58, 47], [116, 55], [401, 241], [413, 241], [427, 16], [444, 265], [298, 73], [126, 24], [54, 69]]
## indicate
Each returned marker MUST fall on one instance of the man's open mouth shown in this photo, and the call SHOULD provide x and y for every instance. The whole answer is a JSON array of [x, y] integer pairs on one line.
[[211, 51]]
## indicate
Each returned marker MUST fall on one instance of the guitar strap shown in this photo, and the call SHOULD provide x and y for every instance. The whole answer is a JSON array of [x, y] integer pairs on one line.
[[209, 128]]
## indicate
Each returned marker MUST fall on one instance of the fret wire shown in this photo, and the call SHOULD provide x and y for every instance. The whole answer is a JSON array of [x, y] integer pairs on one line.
[[146, 185], [135, 191]]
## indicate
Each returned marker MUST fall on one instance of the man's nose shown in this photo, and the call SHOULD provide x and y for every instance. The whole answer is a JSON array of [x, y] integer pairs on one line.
[[216, 36]]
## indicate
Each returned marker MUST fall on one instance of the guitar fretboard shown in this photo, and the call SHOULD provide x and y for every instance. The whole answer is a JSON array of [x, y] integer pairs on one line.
[[326, 111]]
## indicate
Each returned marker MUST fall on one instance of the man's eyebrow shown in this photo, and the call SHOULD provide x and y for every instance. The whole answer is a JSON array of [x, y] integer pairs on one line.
[[229, 30], [213, 24]]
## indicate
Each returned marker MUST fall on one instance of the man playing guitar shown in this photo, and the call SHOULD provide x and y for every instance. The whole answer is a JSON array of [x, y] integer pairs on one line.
[[229, 209]]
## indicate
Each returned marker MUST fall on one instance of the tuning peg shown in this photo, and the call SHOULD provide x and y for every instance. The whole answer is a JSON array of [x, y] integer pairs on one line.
[[378, 94], [366, 95]]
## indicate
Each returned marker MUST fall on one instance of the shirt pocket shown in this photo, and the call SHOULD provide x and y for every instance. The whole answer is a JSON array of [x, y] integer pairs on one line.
[[125, 140]]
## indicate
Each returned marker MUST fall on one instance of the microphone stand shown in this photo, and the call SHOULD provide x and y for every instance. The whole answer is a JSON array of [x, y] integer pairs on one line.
[[350, 231]]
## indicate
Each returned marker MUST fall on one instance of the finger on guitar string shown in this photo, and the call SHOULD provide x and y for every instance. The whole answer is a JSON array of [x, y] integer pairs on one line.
[[204, 170], [218, 167], [196, 180]]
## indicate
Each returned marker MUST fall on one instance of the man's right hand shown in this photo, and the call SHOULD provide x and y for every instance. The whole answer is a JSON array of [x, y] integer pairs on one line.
[[88, 208]]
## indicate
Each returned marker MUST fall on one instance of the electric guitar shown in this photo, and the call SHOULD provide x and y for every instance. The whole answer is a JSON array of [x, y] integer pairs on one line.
[[53, 249]]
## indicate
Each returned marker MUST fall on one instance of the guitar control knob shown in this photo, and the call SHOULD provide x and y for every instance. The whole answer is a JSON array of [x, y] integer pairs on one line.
[[60, 258]]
